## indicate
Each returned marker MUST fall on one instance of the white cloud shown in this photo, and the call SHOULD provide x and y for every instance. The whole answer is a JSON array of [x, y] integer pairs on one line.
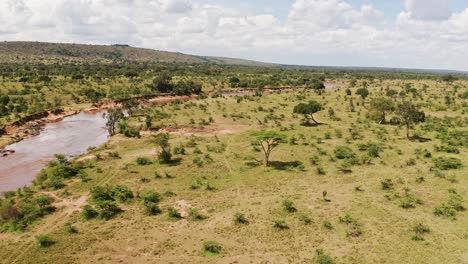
[[427, 9], [324, 32]]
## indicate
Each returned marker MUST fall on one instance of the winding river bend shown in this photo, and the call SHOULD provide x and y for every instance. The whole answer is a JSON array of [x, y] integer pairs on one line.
[[72, 136]]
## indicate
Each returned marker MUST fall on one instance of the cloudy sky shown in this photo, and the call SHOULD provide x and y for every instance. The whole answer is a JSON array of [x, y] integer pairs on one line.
[[387, 33]]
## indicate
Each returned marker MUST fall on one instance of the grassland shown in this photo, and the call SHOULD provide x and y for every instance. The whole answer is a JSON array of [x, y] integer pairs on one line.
[[368, 214]]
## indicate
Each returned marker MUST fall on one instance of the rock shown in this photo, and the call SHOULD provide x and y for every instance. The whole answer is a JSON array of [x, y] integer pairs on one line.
[[183, 207]]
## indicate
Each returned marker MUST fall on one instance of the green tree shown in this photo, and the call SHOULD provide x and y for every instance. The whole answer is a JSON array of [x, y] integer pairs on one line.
[[308, 110], [363, 92], [317, 86], [409, 114], [268, 140], [382, 105], [113, 116], [162, 83], [162, 140]]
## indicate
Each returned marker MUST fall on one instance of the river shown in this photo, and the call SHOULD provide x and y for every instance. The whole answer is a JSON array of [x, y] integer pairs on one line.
[[72, 136]]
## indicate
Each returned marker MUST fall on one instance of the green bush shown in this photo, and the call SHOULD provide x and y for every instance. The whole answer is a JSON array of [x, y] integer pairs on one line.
[[240, 218], [447, 163], [196, 215], [173, 213], [108, 209], [89, 212], [323, 258], [288, 206], [280, 224], [328, 225], [44, 241], [122, 193], [143, 161], [150, 196], [451, 207], [152, 208], [344, 152], [212, 247], [387, 184], [305, 219]]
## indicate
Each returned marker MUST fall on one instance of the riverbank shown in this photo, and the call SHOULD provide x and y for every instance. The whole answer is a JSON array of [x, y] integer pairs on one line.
[[15, 133]]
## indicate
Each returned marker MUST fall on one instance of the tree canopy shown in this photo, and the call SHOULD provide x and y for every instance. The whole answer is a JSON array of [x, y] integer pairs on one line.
[[308, 110], [267, 140]]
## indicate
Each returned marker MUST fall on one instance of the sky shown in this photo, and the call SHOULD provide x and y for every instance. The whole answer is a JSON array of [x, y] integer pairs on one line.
[[423, 34]]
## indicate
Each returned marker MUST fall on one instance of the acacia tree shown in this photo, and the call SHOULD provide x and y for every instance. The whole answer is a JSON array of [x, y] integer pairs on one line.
[[162, 140], [308, 110], [382, 105], [409, 115], [113, 116], [268, 140]]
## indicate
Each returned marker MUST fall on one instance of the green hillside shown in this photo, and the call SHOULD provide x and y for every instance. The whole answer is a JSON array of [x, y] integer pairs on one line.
[[40, 52]]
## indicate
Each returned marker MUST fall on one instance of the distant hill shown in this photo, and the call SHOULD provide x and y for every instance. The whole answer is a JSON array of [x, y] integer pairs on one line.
[[40, 52]]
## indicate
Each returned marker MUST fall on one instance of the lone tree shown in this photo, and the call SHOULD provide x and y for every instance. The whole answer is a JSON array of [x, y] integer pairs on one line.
[[317, 86], [382, 105], [162, 140], [409, 115], [308, 110], [363, 92], [268, 140], [113, 116]]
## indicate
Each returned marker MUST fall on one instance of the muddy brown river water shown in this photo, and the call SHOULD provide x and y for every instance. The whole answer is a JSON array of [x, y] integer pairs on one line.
[[72, 136]]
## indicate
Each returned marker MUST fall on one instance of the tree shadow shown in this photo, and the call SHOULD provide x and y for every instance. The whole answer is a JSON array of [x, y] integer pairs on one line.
[[174, 162], [420, 139], [308, 124], [281, 165]]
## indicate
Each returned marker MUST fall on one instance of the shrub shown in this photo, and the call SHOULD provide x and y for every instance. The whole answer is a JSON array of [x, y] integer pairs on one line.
[[114, 155], [173, 213], [280, 224], [323, 258], [240, 218], [448, 149], [108, 209], [143, 161], [420, 229], [288, 206], [348, 219], [328, 225], [44, 241], [212, 247], [451, 207], [122, 193], [152, 208], [447, 163], [409, 201], [150, 196], [373, 150], [89, 212], [305, 219], [387, 184], [101, 193], [344, 152], [196, 215]]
